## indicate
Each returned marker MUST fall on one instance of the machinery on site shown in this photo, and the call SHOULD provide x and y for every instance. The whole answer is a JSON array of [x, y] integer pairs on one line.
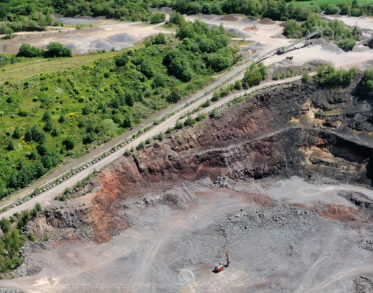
[[218, 268], [292, 46]]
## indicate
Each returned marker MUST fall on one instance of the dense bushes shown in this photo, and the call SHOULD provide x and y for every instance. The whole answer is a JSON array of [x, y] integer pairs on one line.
[[210, 44], [53, 50], [57, 50], [157, 17], [254, 75], [328, 75], [367, 80], [12, 240], [346, 44], [333, 30], [64, 113], [26, 50], [275, 9]]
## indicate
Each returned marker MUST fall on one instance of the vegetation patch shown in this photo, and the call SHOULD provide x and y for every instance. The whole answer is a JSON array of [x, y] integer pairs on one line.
[[12, 238], [334, 30], [67, 113]]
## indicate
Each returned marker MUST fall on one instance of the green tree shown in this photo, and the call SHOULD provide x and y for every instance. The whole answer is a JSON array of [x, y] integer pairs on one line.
[[34, 134], [121, 60], [55, 49], [69, 143], [26, 50]]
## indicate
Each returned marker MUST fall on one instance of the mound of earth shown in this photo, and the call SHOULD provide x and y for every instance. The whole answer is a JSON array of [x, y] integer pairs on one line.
[[229, 18], [266, 21]]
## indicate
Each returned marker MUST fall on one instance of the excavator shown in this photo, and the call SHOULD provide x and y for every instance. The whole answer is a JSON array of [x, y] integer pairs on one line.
[[218, 268]]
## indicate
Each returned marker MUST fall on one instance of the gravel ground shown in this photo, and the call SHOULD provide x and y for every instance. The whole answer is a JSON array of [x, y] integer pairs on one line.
[[179, 234]]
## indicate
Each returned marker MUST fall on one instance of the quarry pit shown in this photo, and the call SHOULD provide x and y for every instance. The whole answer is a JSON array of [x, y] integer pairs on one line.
[[281, 180]]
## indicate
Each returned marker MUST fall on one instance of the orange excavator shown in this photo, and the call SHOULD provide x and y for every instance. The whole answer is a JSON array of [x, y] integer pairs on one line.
[[218, 268]]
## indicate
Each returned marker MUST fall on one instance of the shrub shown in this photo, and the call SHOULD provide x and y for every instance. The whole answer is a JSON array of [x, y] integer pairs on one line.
[[238, 85], [38, 207], [127, 122], [347, 44], [213, 113], [17, 133], [88, 139], [179, 125], [174, 96], [5, 225], [57, 50], [10, 146], [331, 9], [31, 237], [121, 60], [160, 39], [26, 50], [306, 78], [292, 29], [189, 121], [200, 117], [367, 80], [69, 143], [328, 75], [157, 17], [254, 75], [140, 146], [160, 136], [216, 96], [34, 134]]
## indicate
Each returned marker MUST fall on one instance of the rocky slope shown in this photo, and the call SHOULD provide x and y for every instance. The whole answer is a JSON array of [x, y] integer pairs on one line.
[[221, 172], [302, 130]]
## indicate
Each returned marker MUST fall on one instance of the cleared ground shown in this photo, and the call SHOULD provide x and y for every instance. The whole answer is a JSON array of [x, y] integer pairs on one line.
[[174, 243], [106, 35]]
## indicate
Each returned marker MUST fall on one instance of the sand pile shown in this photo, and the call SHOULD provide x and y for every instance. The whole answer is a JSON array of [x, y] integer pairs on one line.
[[229, 18]]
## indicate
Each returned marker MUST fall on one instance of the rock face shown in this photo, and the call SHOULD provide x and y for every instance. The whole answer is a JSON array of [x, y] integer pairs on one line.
[[302, 130], [299, 130]]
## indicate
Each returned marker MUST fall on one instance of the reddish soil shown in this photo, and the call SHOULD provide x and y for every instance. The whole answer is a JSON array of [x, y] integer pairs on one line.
[[261, 200], [103, 207], [250, 29], [333, 211], [340, 213]]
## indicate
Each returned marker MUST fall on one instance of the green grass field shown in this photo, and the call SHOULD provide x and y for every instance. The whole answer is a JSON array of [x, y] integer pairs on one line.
[[34, 66]]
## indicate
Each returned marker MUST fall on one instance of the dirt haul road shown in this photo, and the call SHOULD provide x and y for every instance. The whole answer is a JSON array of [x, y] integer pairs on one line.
[[46, 197]]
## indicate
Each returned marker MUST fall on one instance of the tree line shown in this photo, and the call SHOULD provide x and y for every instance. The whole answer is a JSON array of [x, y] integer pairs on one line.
[[274, 9]]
